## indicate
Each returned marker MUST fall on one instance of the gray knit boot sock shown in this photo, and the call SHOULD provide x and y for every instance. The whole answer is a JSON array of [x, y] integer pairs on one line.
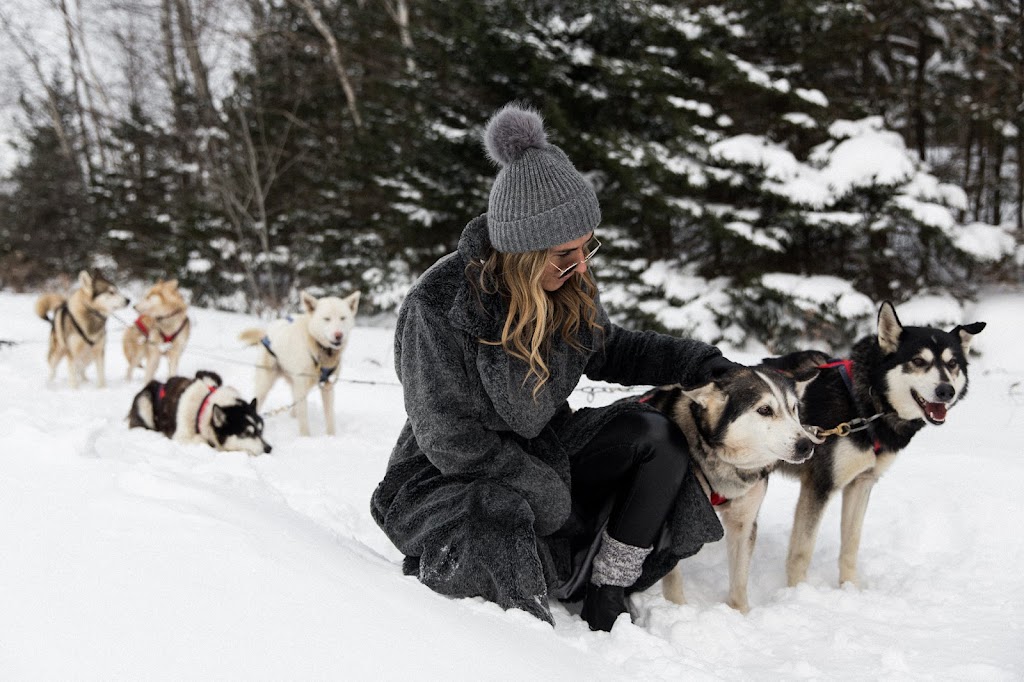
[[616, 567]]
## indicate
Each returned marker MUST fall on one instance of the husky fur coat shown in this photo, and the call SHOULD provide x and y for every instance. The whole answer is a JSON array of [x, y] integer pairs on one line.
[[477, 490]]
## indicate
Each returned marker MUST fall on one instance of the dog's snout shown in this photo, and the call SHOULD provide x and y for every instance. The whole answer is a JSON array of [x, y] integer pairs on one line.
[[804, 448], [267, 448], [945, 392]]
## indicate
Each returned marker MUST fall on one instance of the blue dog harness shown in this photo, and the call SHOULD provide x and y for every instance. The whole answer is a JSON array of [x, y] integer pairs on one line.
[[325, 372]]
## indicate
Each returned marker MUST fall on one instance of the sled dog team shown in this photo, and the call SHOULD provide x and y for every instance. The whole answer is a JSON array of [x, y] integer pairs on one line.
[[305, 350], [834, 424]]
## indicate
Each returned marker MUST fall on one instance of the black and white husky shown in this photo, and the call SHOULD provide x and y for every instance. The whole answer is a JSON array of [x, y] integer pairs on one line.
[[200, 410], [869, 406], [739, 427]]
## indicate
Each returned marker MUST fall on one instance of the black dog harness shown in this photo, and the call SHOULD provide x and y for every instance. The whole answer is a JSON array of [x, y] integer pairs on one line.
[[78, 328]]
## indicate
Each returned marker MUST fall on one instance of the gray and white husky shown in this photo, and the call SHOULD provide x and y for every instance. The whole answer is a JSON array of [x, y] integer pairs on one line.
[[739, 427], [200, 410], [869, 406]]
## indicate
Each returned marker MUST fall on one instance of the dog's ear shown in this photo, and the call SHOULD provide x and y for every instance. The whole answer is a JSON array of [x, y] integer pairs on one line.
[[217, 416], [85, 281], [172, 284], [889, 328], [966, 332], [353, 302], [308, 301], [702, 395], [253, 404], [803, 379]]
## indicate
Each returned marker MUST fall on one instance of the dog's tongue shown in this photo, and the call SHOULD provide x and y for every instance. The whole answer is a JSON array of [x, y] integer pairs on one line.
[[936, 411]]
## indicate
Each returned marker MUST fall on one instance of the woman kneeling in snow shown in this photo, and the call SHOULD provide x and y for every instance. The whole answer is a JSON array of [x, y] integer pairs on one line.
[[496, 488]]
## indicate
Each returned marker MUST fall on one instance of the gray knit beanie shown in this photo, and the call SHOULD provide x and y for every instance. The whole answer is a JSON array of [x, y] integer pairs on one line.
[[539, 199]]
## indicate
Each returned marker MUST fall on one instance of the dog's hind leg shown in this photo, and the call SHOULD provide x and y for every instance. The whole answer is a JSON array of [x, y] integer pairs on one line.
[[809, 509], [672, 585], [262, 383], [327, 395], [740, 535], [855, 505], [53, 358]]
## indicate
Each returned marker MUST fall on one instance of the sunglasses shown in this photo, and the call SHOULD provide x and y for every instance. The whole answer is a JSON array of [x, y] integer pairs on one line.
[[589, 249]]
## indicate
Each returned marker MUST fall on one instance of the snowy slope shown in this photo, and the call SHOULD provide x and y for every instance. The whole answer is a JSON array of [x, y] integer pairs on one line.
[[127, 556]]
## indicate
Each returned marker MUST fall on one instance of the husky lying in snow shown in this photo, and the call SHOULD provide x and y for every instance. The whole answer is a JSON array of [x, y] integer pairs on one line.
[[305, 351], [871, 405], [162, 329], [78, 327], [739, 426], [200, 410]]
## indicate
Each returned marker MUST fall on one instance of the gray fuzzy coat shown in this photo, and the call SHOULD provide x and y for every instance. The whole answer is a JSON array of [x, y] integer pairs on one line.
[[476, 492]]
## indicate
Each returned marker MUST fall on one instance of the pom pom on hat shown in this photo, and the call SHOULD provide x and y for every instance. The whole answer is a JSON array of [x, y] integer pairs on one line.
[[513, 130], [539, 199]]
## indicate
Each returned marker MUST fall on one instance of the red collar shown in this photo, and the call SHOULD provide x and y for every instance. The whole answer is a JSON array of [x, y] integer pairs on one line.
[[717, 499], [202, 406]]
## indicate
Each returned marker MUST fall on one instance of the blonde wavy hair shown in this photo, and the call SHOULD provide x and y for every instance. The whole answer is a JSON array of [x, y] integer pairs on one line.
[[535, 315]]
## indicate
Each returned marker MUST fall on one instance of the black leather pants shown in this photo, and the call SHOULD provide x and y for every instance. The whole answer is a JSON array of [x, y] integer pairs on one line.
[[640, 459]]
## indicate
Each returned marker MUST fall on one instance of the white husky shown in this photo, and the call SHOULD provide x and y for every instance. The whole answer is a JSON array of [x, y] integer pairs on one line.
[[306, 351]]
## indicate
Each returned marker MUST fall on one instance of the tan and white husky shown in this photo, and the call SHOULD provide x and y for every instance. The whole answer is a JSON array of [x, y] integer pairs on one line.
[[162, 329], [78, 326], [305, 351]]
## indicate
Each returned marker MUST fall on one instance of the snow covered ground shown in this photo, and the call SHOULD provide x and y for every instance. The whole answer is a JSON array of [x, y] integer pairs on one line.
[[126, 556]]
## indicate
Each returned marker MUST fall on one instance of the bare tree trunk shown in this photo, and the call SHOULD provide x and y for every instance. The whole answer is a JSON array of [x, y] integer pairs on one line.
[[77, 79], [920, 121], [259, 192], [90, 84], [190, 41], [399, 12], [979, 194], [52, 106], [965, 181], [332, 45], [997, 178], [1020, 120]]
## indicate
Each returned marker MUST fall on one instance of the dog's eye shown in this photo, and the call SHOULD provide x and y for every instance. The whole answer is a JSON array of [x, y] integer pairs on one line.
[[919, 362], [765, 411], [951, 364]]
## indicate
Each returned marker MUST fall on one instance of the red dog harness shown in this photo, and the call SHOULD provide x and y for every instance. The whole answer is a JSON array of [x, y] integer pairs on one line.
[[141, 326]]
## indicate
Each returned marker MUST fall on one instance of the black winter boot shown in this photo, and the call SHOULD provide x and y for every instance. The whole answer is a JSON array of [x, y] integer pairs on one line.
[[602, 605]]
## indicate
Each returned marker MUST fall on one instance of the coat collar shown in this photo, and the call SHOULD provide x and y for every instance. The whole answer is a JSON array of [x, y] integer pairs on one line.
[[477, 313]]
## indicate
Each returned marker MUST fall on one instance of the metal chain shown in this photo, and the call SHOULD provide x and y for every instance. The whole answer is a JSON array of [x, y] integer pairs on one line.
[[846, 428]]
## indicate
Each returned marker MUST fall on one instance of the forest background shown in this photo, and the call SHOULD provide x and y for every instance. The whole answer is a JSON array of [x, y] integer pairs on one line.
[[766, 170]]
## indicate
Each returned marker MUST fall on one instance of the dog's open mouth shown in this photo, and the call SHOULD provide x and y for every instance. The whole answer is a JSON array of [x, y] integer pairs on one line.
[[933, 412]]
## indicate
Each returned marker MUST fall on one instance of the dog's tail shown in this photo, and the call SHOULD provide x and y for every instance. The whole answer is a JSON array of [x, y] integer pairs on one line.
[[143, 413], [251, 336], [47, 303], [211, 379]]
